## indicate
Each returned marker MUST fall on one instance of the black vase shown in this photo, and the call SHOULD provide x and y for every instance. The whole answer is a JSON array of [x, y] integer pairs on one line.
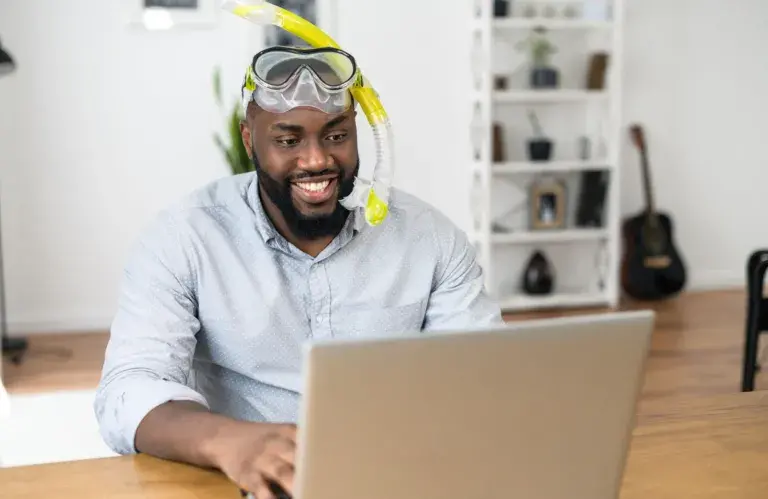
[[545, 77], [538, 276], [539, 150], [500, 8]]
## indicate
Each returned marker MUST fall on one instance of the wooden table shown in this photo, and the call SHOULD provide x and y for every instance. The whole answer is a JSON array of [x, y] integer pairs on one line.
[[700, 448], [706, 448]]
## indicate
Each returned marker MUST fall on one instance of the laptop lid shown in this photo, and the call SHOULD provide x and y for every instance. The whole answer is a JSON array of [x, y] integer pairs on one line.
[[540, 409]]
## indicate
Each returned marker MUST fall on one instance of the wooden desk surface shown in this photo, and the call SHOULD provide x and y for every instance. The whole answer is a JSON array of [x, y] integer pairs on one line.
[[706, 448]]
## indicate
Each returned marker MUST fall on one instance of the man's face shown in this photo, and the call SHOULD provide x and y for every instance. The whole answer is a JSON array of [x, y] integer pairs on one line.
[[306, 160]]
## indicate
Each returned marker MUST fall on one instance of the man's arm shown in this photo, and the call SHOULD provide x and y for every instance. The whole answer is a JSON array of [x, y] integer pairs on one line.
[[459, 299], [149, 354], [145, 401]]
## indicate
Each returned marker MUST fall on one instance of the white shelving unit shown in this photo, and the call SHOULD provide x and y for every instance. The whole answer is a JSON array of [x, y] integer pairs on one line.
[[585, 259]]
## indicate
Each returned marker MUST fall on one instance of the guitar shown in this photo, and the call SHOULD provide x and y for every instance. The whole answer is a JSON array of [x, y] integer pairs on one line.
[[652, 267]]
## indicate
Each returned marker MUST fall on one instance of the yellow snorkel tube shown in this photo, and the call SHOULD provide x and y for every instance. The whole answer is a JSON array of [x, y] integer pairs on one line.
[[371, 195]]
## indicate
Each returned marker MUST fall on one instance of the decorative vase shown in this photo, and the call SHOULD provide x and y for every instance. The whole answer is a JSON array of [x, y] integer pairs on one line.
[[500, 8], [540, 149], [545, 77], [538, 276]]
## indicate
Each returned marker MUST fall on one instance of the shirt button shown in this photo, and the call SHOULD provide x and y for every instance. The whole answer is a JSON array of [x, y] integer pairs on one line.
[[319, 318]]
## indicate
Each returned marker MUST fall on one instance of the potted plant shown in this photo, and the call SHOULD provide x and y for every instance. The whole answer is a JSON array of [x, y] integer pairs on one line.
[[539, 147], [540, 50], [234, 151]]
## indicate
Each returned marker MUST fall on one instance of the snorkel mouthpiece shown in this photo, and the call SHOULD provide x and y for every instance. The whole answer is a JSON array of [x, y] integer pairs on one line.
[[370, 195]]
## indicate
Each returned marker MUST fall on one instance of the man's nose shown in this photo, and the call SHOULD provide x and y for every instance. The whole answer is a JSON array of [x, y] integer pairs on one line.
[[315, 157]]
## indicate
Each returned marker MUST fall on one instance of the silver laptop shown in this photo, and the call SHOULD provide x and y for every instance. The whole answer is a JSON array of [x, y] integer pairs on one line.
[[542, 409]]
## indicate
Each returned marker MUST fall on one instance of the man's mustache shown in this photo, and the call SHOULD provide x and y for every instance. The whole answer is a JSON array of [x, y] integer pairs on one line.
[[306, 175]]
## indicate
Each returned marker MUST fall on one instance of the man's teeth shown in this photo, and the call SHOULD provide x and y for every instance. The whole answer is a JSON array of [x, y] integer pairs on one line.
[[314, 186]]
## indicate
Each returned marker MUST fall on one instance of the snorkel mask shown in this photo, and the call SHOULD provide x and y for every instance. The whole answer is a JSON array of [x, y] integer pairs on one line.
[[282, 78], [324, 77]]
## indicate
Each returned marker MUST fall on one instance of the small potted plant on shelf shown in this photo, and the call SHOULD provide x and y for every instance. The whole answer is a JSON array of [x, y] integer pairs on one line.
[[539, 147], [540, 50]]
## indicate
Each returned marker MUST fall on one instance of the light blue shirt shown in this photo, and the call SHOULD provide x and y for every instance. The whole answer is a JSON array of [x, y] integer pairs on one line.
[[215, 304]]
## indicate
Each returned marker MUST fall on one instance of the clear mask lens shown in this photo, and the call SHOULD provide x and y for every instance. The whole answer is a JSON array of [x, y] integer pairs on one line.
[[283, 78], [277, 69], [304, 91]]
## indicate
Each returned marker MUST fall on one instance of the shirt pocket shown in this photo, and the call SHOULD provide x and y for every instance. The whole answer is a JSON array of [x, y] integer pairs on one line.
[[364, 322]]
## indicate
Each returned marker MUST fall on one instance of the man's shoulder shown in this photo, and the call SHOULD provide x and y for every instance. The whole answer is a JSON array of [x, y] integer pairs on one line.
[[212, 204], [410, 211], [230, 192]]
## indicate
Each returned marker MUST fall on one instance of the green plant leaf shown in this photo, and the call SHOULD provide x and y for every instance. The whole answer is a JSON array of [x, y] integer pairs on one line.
[[234, 152], [217, 86]]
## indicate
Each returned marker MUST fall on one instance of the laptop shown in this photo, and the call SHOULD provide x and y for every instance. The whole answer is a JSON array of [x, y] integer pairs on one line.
[[541, 409]]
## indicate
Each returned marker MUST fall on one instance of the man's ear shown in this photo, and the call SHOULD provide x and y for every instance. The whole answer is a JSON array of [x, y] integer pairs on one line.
[[245, 134]]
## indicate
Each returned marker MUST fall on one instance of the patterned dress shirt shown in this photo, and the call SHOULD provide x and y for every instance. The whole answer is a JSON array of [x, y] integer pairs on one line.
[[215, 304]]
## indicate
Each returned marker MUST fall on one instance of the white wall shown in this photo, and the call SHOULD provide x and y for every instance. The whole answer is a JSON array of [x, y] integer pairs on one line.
[[100, 130], [101, 127], [697, 79]]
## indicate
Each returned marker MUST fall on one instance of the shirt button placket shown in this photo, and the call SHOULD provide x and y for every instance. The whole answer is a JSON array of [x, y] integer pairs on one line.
[[317, 287]]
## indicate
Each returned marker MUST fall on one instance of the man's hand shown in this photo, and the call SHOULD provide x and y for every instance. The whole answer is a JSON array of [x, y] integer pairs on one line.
[[257, 456], [254, 456]]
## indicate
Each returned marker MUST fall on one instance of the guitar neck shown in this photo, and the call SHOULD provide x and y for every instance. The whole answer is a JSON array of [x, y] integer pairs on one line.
[[638, 137]]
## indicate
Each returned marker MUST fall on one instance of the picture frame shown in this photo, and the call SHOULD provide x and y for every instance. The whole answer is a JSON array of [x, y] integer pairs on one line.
[[547, 205], [164, 15]]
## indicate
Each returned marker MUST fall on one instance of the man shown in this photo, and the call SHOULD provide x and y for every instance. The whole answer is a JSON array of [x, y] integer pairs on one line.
[[203, 363]]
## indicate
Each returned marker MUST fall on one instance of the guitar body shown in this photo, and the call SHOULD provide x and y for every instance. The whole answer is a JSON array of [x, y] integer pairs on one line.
[[652, 267]]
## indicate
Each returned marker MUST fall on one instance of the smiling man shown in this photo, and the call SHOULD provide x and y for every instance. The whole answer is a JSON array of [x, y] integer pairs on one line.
[[203, 364]]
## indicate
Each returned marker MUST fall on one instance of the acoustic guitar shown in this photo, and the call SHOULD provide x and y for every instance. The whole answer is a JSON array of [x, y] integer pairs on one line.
[[652, 267]]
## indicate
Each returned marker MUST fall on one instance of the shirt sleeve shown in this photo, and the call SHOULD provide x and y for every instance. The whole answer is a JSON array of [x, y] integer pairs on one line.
[[152, 341], [459, 299]]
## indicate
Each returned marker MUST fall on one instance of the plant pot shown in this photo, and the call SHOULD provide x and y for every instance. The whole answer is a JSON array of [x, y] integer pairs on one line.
[[540, 150], [500, 8], [545, 77]]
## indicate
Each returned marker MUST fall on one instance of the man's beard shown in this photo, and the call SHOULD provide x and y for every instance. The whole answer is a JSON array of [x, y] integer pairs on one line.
[[306, 227]]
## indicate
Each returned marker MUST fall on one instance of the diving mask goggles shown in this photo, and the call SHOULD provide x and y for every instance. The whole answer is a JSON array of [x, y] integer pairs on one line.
[[282, 78]]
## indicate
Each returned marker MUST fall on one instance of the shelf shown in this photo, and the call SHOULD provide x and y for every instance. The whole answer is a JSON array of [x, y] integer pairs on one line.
[[557, 95], [557, 300], [550, 24], [513, 167], [549, 236], [575, 111]]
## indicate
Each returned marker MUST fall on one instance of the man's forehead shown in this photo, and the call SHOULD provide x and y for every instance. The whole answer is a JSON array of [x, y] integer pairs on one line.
[[304, 116]]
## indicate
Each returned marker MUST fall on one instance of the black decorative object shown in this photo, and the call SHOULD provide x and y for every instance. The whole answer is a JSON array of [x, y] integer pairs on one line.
[[13, 347], [591, 209], [7, 65], [540, 147], [544, 77], [500, 8], [538, 276]]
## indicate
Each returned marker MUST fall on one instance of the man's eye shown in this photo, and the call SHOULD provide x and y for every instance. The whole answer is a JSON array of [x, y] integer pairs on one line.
[[287, 142], [337, 137]]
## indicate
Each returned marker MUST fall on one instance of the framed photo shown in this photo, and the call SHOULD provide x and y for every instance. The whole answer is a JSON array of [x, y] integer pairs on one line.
[[172, 14], [547, 205]]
